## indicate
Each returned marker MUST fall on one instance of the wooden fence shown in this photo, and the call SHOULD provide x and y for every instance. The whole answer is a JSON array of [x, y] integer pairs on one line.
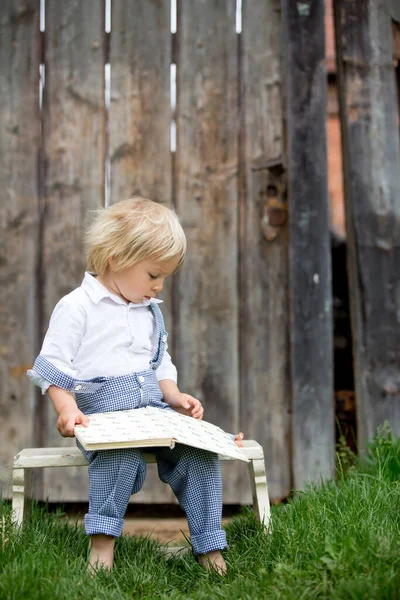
[[249, 314]]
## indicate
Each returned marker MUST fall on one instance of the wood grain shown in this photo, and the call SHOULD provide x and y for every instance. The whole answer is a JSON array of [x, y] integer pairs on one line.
[[368, 109], [74, 143], [206, 294], [310, 296], [263, 289], [20, 216], [140, 107]]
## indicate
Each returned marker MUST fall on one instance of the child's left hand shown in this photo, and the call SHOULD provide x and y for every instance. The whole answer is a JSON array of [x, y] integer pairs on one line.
[[190, 406], [238, 439]]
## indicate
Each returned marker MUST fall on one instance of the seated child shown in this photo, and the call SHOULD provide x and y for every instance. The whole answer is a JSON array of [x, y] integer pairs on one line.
[[106, 350]]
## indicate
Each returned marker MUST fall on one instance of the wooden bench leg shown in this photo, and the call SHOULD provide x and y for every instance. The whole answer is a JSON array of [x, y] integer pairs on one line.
[[21, 496], [259, 488]]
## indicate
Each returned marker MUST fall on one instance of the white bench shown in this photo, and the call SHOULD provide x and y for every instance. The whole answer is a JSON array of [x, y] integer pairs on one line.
[[32, 458]]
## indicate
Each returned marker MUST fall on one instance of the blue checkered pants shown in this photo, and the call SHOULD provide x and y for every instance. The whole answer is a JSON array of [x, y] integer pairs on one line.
[[193, 474]]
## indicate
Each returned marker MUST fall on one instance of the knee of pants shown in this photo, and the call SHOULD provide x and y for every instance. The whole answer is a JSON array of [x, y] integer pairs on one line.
[[188, 459], [124, 463]]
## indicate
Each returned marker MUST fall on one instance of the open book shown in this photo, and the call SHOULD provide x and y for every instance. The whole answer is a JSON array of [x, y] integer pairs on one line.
[[149, 426]]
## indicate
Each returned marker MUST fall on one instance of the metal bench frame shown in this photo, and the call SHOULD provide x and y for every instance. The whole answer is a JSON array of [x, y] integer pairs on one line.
[[32, 458]]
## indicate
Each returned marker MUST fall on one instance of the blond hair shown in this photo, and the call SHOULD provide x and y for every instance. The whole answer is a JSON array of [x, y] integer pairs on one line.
[[133, 230]]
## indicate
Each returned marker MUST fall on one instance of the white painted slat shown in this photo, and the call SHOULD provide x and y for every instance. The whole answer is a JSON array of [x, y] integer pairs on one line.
[[72, 457]]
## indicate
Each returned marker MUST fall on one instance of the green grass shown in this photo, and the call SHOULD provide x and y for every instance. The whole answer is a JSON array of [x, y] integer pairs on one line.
[[340, 539]]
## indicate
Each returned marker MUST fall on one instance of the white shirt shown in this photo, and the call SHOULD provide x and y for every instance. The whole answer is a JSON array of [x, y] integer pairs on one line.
[[95, 333]]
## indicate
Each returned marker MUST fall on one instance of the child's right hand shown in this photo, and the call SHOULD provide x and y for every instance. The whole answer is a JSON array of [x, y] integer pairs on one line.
[[68, 418]]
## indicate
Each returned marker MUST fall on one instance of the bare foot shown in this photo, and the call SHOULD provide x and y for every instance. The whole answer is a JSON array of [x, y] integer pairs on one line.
[[101, 552], [238, 439], [213, 560]]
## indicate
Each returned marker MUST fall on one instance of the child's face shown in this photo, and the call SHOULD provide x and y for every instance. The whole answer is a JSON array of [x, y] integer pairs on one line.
[[143, 280]]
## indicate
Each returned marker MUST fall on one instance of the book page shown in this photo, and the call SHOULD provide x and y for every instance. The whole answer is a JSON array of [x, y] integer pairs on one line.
[[121, 426], [196, 432]]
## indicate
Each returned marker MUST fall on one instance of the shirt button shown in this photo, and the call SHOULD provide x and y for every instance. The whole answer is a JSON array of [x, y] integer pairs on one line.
[[78, 387], [164, 338], [141, 379]]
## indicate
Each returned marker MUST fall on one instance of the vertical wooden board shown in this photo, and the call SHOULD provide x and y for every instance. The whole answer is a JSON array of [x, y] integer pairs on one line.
[[310, 294], [140, 106], [74, 139], [19, 151], [369, 118], [139, 126], [206, 295], [264, 341]]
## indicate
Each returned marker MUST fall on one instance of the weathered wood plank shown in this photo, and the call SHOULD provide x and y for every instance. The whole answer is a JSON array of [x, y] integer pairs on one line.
[[140, 107], [309, 243], [368, 108], [139, 125], [264, 347], [206, 297], [19, 239], [74, 140]]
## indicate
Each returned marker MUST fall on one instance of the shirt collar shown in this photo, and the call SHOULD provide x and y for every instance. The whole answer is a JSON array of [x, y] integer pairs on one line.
[[96, 292]]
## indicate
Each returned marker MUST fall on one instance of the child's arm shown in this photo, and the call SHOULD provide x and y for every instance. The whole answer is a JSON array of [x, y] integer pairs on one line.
[[69, 414], [55, 363], [187, 405], [183, 403], [167, 378]]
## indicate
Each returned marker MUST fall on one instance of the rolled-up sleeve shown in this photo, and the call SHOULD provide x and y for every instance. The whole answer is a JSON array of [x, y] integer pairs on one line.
[[38, 380], [60, 347], [167, 369]]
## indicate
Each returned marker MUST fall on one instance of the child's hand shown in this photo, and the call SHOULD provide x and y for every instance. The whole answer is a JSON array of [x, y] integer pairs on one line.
[[238, 439], [190, 406], [68, 418]]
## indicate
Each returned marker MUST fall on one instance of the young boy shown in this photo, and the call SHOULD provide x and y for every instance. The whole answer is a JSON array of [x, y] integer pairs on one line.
[[106, 350]]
